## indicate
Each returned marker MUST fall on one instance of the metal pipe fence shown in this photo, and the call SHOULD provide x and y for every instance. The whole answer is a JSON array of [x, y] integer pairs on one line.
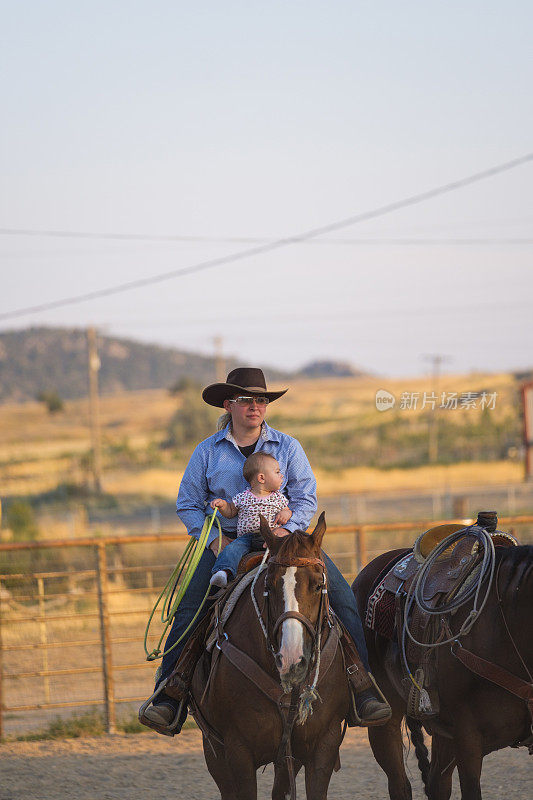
[[73, 612]]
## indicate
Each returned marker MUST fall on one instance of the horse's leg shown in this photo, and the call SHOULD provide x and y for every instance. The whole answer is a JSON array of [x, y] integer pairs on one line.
[[469, 756], [441, 769], [281, 789], [216, 764], [241, 766], [387, 745], [321, 763]]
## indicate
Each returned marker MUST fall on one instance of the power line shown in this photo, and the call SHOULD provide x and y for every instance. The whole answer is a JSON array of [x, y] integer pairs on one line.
[[370, 240], [277, 244]]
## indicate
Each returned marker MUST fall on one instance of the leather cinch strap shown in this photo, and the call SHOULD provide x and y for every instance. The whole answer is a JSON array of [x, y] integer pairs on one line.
[[498, 675]]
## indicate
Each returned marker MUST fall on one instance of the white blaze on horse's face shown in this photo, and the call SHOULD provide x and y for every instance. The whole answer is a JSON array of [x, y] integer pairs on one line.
[[292, 639]]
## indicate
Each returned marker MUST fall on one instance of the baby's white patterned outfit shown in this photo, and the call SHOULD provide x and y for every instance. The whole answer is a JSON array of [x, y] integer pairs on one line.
[[249, 508]]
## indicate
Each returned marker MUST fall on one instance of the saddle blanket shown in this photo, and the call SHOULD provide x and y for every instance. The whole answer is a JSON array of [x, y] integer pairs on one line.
[[381, 605]]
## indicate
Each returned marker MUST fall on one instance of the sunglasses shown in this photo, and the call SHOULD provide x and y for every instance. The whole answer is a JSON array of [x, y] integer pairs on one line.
[[247, 401]]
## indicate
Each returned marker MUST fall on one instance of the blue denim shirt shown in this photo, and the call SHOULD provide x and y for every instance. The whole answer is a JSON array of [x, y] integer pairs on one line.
[[215, 470]]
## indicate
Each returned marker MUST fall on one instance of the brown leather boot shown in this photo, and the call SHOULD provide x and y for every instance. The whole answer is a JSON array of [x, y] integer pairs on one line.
[[370, 709], [368, 706]]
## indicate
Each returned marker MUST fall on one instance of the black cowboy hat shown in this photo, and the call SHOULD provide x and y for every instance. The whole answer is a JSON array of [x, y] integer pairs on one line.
[[248, 380]]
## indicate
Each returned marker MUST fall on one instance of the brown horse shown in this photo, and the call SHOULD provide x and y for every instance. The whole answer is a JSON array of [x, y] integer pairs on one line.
[[476, 716], [254, 715]]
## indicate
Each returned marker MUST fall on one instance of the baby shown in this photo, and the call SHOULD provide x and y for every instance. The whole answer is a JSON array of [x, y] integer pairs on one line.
[[263, 473]]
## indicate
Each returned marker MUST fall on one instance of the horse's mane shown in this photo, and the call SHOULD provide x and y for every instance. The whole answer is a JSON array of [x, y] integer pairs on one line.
[[515, 568]]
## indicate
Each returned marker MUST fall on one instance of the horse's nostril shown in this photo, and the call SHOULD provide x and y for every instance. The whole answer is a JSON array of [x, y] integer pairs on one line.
[[279, 661], [302, 662]]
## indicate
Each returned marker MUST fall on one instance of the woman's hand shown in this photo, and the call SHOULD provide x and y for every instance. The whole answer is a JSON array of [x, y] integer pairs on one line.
[[214, 544], [227, 510], [221, 504]]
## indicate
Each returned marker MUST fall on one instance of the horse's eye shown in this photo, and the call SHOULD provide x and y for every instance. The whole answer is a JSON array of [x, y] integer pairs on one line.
[[318, 587]]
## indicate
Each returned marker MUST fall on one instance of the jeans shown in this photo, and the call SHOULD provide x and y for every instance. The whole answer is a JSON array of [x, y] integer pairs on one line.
[[341, 598], [188, 607], [342, 601], [233, 552]]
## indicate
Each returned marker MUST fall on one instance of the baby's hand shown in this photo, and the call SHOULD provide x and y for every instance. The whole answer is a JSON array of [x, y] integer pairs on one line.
[[283, 516], [220, 504]]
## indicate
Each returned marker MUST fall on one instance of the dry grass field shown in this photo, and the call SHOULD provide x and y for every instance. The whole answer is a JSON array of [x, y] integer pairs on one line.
[[39, 451]]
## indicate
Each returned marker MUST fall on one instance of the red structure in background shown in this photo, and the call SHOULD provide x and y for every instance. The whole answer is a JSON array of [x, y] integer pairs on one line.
[[527, 401]]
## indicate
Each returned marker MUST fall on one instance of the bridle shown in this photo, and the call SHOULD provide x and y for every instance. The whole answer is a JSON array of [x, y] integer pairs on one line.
[[302, 696], [270, 630]]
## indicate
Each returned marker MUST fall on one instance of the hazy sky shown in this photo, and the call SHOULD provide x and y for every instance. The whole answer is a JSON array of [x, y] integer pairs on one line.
[[264, 119]]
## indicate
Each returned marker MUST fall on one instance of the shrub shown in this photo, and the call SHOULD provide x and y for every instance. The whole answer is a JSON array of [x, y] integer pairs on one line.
[[21, 520], [52, 401], [192, 422]]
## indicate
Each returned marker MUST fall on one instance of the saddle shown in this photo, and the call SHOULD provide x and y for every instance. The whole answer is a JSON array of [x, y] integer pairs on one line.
[[450, 573]]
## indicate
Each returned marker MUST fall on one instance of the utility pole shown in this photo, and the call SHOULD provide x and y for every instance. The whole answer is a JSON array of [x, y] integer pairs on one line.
[[220, 361], [94, 366], [433, 429]]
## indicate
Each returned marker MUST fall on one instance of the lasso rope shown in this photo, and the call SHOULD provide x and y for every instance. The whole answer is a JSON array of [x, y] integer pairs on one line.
[[415, 595], [181, 577]]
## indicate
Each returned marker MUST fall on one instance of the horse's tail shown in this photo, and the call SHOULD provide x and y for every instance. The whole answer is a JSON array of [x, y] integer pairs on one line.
[[421, 751]]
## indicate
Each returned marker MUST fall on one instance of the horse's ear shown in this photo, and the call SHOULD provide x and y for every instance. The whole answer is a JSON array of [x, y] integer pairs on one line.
[[319, 531], [272, 542]]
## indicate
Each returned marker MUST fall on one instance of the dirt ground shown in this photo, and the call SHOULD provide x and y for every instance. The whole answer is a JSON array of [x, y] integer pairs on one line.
[[138, 766]]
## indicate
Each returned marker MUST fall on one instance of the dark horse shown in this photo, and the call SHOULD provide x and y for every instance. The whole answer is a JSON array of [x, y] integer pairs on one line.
[[476, 715], [254, 715]]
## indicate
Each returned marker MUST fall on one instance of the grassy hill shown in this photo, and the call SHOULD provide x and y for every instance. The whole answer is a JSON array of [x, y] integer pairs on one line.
[[39, 360], [54, 360]]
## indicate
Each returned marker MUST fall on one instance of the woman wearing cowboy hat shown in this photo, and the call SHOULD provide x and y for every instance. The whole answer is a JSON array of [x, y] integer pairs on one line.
[[215, 471]]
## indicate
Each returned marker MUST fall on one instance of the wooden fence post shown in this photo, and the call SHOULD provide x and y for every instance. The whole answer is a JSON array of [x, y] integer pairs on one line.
[[107, 658], [44, 640], [360, 545], [356, 562]]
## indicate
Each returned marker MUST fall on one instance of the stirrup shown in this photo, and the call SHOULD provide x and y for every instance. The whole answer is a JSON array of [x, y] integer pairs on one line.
[[376, 687], [166, 730], [352, 717]]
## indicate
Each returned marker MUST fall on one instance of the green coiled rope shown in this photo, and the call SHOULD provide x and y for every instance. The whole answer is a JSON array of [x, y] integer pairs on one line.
[[181, 576]]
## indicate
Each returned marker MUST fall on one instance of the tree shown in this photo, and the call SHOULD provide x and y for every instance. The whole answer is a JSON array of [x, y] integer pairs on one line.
[[183, 385], [192, 422], [21, 520], [52, 401]]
